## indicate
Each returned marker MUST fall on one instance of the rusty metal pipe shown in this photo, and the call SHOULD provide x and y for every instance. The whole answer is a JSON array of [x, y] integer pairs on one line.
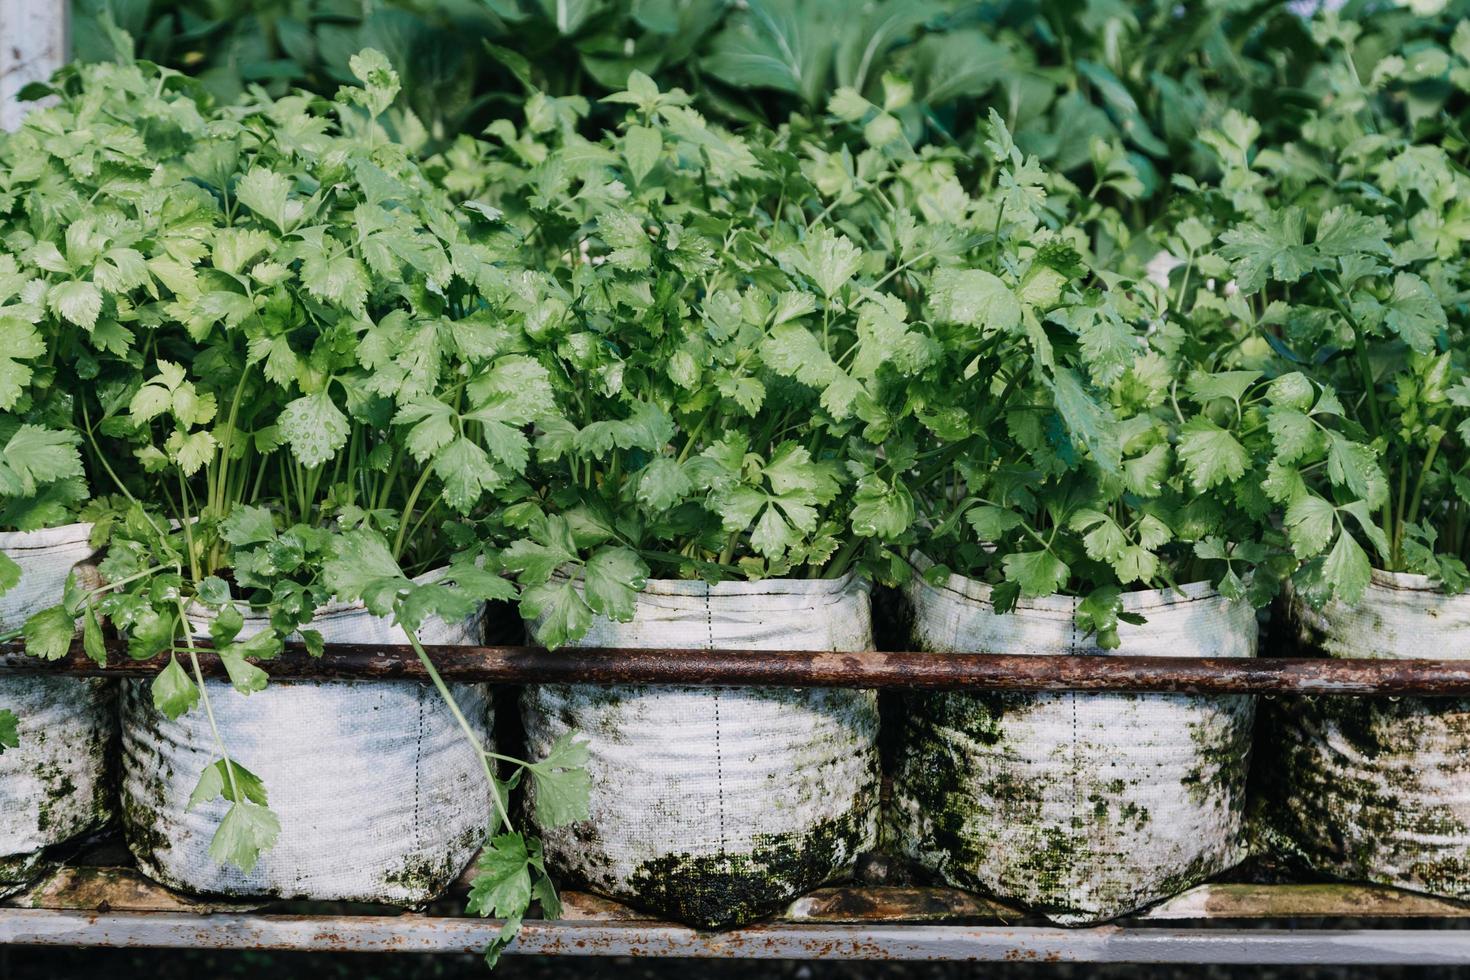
[[796, 668]]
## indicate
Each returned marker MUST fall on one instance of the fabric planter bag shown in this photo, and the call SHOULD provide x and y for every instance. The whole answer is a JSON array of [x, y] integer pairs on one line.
[[715, 806], [1374, 789], [381, 797], [1082, 807], [53, 786]]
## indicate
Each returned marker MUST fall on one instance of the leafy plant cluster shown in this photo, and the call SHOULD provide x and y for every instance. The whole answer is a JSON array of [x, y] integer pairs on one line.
[[1337, 256], [1184, 302], [1142, 77], [272, 349]]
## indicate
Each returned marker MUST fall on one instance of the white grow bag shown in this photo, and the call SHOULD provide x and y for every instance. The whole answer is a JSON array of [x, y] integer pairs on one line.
[[1371, 788], [54, 785], [381, 797], [1081, 806], [718, 805]]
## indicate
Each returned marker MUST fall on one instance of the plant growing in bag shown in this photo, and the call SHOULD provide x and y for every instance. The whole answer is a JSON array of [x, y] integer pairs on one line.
[[729, 358], [1346, 250], [299, 302], [1353, 280], [1105, 478], [728, 355]]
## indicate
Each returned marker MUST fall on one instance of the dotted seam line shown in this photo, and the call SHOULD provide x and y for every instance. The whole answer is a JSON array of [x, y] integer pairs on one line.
[[709, 626]]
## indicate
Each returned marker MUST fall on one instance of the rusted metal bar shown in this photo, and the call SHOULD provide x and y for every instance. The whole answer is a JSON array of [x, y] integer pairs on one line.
[[796, 668], [428, 934]]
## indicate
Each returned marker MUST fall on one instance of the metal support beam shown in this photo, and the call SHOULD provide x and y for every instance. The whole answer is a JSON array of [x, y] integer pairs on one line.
[[425, 934], [797, 668], [34, 42]]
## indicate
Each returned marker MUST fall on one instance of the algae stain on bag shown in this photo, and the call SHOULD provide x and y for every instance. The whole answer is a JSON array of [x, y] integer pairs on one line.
[[718, 805], [1082, 806], [54, 783], [1373, 789]]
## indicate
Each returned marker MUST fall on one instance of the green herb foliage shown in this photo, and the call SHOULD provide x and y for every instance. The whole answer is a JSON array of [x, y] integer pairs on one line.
[[1346, 247], [296, 383]]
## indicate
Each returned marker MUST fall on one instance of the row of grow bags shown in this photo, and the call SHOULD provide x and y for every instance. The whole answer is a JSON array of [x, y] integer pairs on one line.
[[718, 805]]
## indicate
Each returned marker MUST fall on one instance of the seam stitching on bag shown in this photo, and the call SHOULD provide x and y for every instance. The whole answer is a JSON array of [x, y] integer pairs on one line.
[[709, 630], [1076, 765], [418, 755]]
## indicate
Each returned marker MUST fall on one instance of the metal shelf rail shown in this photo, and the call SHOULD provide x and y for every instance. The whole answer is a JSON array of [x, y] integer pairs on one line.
[[114, 906]]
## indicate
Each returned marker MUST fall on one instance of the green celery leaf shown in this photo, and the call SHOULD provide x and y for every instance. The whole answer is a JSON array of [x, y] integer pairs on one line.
[[1211, 455], [315, 428], [613, 578], [247, 831], [563, 785], [1037, 573], [173, 691], [501, 886], [48, 633]]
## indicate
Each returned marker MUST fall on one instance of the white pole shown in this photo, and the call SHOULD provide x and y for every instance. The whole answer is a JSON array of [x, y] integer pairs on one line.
[[34, 43]]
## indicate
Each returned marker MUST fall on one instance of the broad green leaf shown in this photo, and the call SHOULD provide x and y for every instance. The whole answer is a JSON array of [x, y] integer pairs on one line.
[[229, 781], [467, 473], [562, 784], [244, 676], [93, 643], [248, 524], [663, 483], [641, 148], [613, 579], [10, 573], [315, 428], [992, 523], [1293, 433], [881, 510], [1087, 420], [830, 260], [1355, 466], [337, 278], [362, 567], [975, 298], [173, 692], [1272, 246], [19, 341], [77, 301], [1232, 385], [1414, 313], [1211, 455], [793, 350], [34, 456], [1347, 568], [266, 193], [1037, 573], [501, 885], [559, 610], [785, 45], [247, 831], [628, 239], [1098, 614], [48, 633], [379, 80]]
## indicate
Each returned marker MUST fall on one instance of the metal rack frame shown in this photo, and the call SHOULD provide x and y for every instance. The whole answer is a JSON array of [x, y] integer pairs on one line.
[[1216, 923]]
